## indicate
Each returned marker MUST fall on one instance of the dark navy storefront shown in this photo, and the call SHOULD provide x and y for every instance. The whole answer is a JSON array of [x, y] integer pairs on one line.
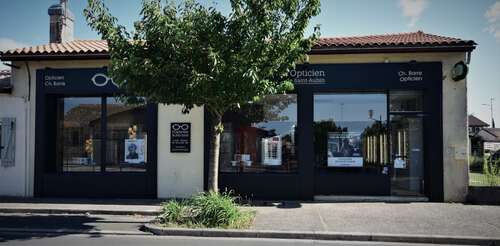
[[311, 179], [71, 161]]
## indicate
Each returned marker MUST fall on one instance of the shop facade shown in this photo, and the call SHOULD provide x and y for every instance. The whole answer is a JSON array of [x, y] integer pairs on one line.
[[390, 121]]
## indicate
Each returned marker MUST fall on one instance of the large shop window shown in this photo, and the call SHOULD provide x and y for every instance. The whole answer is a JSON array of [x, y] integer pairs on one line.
[[261, 136], [350, 131], [81, 133]]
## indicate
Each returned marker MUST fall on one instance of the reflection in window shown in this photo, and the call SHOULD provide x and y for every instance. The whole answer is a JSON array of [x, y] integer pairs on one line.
[[78, 135], [350, 130], [79, 130], [126, 134], [406, 101], [260, 137]]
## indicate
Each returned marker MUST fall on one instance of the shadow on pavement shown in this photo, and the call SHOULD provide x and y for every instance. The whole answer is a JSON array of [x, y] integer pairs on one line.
[[40, 226], [81, 201]]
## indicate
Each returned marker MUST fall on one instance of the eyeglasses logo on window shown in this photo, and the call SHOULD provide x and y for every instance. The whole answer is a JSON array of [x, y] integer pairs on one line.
[[100, 79]]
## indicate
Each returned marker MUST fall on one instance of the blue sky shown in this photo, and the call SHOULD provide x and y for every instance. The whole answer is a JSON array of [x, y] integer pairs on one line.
[[25, 22]]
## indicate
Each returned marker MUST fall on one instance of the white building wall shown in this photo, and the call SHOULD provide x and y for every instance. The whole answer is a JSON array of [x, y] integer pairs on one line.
[[13, 178], [180, 175]]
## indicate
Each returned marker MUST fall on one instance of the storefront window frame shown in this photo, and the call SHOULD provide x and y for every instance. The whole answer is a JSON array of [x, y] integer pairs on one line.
[[294, 171], [369, 168], [103, 162]]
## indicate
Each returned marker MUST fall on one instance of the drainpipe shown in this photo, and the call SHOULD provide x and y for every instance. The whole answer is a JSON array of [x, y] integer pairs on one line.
[[27, 151]]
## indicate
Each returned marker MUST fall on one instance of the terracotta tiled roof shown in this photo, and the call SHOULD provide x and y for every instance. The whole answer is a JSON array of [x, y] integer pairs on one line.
[[77, 47], [400, 42]]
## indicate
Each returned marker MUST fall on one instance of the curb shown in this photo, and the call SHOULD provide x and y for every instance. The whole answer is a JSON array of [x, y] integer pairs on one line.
[[332, 236], [69, 231], [78, 211]]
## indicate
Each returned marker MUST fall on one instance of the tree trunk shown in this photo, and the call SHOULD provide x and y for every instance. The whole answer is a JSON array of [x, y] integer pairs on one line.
[[213, 161]]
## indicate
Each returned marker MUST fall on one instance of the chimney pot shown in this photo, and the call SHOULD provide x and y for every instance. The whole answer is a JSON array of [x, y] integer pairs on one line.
[[61, 23]]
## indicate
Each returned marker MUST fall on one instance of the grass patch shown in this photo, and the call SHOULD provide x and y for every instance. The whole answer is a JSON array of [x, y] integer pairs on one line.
[[480, 179], [206, 210]]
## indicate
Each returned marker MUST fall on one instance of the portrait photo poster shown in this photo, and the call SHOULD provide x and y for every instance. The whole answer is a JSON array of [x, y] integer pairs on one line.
[[344, 149], [134, 151]]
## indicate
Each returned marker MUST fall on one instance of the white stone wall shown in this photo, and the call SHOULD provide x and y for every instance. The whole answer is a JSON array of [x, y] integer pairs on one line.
[[180, 175], [13, 178]]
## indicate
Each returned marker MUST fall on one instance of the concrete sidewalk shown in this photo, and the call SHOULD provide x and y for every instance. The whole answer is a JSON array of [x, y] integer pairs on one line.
[[447, 219]]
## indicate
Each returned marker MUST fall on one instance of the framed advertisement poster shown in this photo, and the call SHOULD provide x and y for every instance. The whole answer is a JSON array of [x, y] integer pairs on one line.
[[180, 137], [134, 151], [344, 149]]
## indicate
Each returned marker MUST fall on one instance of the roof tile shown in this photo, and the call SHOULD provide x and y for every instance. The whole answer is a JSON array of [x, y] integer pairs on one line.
[[400, 40]]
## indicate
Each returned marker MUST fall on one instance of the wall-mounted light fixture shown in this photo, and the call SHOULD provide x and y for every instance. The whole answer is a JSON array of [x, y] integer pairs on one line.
[[459, 71]]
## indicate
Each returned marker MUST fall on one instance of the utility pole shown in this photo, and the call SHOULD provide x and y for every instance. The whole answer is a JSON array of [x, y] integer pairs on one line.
[[491, 112]]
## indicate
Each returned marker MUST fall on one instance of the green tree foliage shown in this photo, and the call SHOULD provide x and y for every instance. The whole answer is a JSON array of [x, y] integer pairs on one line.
[[193, 55], [491, 170]]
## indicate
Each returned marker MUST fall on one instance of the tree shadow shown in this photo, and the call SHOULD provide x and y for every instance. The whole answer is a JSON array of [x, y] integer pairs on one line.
[[30, 226], [278, 204]]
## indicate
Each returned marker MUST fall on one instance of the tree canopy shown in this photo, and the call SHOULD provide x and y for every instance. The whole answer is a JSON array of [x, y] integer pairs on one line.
[[194, 55], [190, 54]]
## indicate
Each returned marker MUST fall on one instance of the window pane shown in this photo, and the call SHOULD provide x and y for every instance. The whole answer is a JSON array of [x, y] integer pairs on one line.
[[350, 130], [78, 134], [261, 136], [126, 145], [403, 101]]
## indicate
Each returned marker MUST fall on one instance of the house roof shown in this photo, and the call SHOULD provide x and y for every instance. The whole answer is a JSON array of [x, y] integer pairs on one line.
[[414, 41], [5, 82], [82, 49], [490, 134], [398, 42], [474, 121]]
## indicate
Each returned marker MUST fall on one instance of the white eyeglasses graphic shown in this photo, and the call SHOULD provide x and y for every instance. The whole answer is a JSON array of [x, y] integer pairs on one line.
[[106, 80], [177, 127]]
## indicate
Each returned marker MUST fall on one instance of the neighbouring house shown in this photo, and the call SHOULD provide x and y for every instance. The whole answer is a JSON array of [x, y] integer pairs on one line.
[[475, 125], [476, 143], [490, 139], [5, 84], [380, 115]]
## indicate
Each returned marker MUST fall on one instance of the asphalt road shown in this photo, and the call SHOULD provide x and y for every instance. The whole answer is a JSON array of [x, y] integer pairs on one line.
[[129, 240]]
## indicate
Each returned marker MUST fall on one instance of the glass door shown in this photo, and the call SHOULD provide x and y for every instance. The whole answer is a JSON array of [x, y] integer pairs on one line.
[[407, 149], [407, 142]]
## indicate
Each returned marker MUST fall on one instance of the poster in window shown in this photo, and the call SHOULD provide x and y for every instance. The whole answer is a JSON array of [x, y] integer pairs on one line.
[[344, 149], [134, 151]]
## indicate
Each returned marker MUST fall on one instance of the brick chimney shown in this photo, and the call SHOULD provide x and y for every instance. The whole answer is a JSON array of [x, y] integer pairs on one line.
[[61, 22]]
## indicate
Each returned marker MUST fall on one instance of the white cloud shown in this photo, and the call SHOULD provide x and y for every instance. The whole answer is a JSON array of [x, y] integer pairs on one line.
[[493, 17], [8, 44], [413, 9], [493, 12]]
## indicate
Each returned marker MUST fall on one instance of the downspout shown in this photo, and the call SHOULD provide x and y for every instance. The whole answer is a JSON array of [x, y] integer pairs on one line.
[[27, 118]]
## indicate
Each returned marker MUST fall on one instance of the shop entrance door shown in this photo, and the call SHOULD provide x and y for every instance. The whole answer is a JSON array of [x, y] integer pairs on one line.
[[407, 151]]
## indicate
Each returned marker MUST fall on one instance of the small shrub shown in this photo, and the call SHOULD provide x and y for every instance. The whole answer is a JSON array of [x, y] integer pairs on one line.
[[491, 170], [476, 162], [210, 209]]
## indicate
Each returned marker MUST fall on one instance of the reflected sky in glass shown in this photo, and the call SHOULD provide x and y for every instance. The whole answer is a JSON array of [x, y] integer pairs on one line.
[[350, 107]]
